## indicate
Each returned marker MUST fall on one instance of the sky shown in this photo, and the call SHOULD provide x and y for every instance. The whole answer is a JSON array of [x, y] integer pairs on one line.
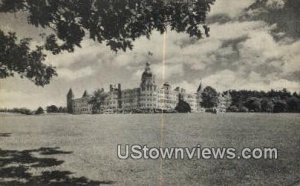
[[244, 51]]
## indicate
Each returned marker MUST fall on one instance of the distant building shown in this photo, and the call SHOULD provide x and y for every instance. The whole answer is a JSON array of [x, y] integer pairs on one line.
[[167, 98], [131, 100], [82, 105], [191, 99], [224, 102], [113, 102], [147, 98], [199, 98], [70, 97], [148, 91]]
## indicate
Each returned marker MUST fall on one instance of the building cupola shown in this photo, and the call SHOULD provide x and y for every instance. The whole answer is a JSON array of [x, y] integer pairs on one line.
[[148, 79]]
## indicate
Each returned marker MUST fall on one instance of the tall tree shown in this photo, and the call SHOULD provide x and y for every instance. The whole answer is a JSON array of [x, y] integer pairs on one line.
[[253, 104], [226, 99], [209, 97], [183, 107], [293, 104], [97, 100], [17, 57], [267, 105], [52, 109], [39, 111], [280, 106], [117, 23]]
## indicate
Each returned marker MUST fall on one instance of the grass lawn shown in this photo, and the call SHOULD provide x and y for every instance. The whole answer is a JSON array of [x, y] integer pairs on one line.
[[82, 149]]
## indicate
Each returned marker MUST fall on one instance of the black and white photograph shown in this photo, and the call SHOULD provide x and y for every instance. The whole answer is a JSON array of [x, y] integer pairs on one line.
[[149, 92]]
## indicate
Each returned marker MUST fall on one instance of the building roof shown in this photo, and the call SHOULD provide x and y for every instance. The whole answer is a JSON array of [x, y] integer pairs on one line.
[[147, 72], [70, 93], [200, 87], [85, 94]]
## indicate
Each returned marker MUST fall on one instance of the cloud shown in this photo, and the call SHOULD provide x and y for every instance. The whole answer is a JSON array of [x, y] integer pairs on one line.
[[242, 52], [282, 13], [7, 96], [163, 73], [16, 99], [189, 86], [231, 8], [275, 4], [236, 52], [253, 81], [73, 75], [222, 79], [89, 52]]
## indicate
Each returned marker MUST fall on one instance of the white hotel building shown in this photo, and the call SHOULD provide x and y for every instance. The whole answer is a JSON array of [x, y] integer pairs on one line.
[[147, 98]]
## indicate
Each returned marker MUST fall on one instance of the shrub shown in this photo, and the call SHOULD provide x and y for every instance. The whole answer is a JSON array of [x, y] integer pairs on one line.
[[39, 111], [183, 107]]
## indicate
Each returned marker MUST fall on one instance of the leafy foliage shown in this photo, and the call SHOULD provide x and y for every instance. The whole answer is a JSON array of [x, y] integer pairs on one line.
[[97, 100], [116, 22], [52, 109], [253, 104], [209, 97], [39, 111], [17, 57], [267, 105], [280, 106], [293, 104], [62, 110], [183, 107], [25, 111], [260, 101]]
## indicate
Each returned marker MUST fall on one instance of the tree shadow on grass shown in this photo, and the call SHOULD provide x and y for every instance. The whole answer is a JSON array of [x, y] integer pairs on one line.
[[5, 135], [15, 169]]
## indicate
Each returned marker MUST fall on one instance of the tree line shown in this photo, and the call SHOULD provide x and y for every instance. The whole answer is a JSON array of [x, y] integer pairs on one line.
[[38, 111], [260, 101], [273, 101]]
